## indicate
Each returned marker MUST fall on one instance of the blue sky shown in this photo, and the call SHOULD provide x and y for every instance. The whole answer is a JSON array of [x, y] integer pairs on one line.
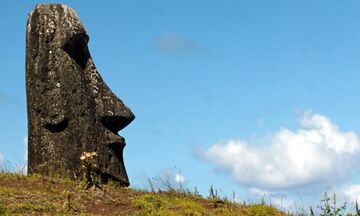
[[225, 93]]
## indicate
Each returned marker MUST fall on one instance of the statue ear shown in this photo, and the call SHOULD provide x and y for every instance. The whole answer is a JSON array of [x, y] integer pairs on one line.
[[54, 114], [56, 122]]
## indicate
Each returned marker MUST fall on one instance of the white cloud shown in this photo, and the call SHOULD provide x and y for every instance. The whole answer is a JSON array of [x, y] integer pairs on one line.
[[169, 178], [282, 202], [179, 179], [2, 161], [352, 192], [259, 192], [317, 154], [22, 168], [25, 142], [174, 43]]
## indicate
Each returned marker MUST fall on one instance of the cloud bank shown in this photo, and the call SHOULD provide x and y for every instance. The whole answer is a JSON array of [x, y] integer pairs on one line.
[[316, 154], [174, 43]]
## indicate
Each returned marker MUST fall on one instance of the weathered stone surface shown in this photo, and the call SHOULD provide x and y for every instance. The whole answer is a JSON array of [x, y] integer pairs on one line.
[[70, 108]]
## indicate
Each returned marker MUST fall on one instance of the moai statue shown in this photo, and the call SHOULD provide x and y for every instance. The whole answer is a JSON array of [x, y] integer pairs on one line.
[[70, 108]]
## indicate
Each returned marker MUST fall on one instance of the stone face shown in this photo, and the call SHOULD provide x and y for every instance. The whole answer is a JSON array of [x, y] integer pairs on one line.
[[70, 108]]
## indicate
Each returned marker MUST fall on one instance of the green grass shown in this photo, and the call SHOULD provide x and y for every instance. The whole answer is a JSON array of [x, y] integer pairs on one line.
[[40, 195], [2, 211], [260, 209], [163, 204], [166, 204], [54, 195]]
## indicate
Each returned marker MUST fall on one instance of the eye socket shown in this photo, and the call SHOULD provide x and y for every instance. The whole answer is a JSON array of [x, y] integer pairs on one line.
[[76, 47], [58, 126]]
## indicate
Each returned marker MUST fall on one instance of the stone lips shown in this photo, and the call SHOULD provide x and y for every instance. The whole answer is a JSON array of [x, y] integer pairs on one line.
[[70, 108]]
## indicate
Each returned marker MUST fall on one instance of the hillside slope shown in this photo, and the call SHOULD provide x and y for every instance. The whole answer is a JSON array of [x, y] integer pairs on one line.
[[40, 195]]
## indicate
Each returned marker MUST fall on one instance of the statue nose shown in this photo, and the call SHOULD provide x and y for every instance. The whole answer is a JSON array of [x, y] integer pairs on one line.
[[115, 123], [116, 115]]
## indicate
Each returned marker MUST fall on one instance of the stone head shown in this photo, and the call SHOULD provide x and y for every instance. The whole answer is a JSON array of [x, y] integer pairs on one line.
[[70, 108]]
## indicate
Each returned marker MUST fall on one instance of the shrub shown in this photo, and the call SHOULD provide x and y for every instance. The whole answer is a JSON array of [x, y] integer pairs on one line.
[[329, 206], [91, 173]]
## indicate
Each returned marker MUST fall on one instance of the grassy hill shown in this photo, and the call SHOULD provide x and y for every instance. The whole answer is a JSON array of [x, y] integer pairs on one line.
[[40, 195]]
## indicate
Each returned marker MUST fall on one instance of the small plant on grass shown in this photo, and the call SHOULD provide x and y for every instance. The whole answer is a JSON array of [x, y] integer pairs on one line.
[[151, 185], [329, 206], [195, 193], [213, 194], [91, 172], [216, 200]]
